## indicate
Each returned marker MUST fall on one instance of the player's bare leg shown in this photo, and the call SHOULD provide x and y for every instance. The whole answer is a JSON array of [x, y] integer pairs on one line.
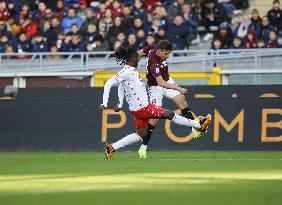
[[127, 140], [177, 119], [143, 148]]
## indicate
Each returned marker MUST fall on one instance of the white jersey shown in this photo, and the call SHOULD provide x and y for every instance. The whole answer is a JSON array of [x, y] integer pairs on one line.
[[130, 86], [134, 89]]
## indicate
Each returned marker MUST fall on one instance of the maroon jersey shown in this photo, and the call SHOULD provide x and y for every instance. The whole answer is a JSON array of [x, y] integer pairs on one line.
[[155, 66]]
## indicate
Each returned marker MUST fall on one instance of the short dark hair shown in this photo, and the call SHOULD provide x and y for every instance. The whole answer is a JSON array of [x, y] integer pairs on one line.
[[165, 45], [276, 1]]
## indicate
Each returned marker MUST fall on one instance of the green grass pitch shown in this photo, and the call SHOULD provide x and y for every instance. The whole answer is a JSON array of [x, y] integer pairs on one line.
[[227, 178]]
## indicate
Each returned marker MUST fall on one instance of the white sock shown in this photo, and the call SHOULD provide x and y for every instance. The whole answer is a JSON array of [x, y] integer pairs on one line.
[[143, 146], [179, 120], [129, 139]]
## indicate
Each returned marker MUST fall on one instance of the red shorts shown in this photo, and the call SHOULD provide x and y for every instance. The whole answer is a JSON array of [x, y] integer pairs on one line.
[[142, 116]]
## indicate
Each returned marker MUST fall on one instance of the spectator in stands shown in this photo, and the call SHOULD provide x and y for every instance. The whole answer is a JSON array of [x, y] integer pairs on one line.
[[50, 36], [177, 33], [191, 18], [13, 26], [117, 8], [29, 27], [54, 50], [60, 10], [4, 42], [243, 28], [256, 22], [24, 45], [141, 38], [118, 27], [208, 20], [160, 11], [162, 35], [66, 44], [261, 43], [91, 35], [251, 40], [81, 10], [137, 25], [150, 40], [90, 19], [100, 13], [127, 16], [275, 15], [39, 44], [132, 41], [106, 22], [121, 38], [48, 17], [156, 24], [9, 50], [138, 10], [266, 27], [237, 43], [75, 31], [60, 40], [175, 9], [4, 12], [56, 26], [216, 44], [101, 45], [225, 35], [272, 42], [76, 44], [71, 19], [41, 11], [24, 13]]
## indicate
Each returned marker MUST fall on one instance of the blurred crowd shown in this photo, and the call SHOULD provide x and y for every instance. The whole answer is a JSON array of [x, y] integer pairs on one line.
[[102, 25], [255, 31]]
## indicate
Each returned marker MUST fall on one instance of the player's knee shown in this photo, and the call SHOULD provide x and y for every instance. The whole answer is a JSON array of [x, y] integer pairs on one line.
[[183, 102], [169, 114]]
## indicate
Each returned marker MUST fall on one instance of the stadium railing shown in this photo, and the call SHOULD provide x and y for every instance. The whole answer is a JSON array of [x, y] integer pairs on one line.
[[180, 61]]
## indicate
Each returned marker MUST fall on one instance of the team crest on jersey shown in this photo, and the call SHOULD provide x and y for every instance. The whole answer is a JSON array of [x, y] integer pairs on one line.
[[154, 101]]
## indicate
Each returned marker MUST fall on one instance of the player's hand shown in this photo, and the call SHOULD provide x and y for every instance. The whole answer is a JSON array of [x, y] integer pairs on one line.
[[183, 91], [117, 109], [101, 107]]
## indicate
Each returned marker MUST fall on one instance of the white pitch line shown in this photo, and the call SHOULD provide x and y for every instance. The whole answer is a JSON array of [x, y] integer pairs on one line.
[[207, 159]]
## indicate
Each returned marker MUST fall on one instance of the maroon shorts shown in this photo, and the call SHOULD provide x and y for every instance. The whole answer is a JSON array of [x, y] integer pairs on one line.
[[142, 116]]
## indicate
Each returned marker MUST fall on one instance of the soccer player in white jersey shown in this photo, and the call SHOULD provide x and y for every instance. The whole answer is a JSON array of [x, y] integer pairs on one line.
[[137, 99]]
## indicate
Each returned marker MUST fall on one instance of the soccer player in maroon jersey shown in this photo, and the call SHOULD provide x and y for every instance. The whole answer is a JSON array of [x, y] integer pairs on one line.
[[161, 84]]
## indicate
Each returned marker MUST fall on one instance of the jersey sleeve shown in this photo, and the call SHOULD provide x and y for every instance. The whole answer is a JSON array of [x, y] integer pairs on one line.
[[147, 49], [120, 95], [122, 75]]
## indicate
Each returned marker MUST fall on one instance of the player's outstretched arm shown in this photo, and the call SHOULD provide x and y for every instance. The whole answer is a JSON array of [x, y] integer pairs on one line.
[[161, 82], [120, 98], [107, 88]]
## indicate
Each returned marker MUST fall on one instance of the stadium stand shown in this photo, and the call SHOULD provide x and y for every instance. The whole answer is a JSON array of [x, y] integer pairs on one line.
[[85, 25], [88, 25]]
